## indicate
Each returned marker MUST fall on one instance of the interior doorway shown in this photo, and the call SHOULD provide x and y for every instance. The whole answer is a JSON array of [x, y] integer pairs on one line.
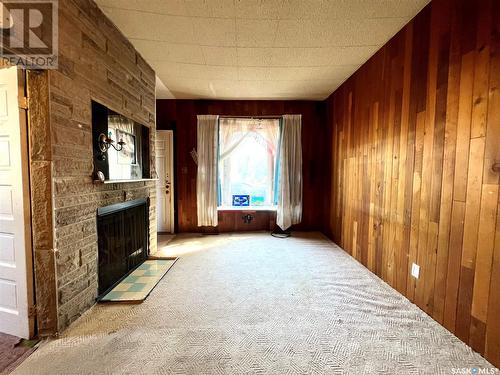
[[16, 267], [165, 184]]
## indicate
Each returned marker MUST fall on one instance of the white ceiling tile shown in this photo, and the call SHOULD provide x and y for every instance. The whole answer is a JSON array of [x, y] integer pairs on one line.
[[159, 27], [259, 9], [188, 85], [166, 7], [161, 91], [256, 33], [174, 71], [368, 31], [316, 56], [254, 73], [216, 9], [303, 9], [280, 89], [345, 32], [274, 73], [350, 9], [220, 55], [337, 73], [304, 33], [214, 31], [358, 9], [157, 52], [226, 89], [264, 49], [350, 55], [255, 56]]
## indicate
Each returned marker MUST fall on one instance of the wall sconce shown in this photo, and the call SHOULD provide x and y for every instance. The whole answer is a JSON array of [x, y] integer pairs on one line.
[[105, 142]]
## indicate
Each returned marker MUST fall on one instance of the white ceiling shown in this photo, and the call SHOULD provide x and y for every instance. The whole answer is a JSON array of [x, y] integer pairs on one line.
[[257, 49]]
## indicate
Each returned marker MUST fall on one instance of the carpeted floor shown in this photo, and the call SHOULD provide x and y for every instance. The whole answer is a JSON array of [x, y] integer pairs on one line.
[[254, 304]]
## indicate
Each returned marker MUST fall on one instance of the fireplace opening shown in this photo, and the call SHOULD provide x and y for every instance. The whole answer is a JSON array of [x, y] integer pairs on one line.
[[122, 236]]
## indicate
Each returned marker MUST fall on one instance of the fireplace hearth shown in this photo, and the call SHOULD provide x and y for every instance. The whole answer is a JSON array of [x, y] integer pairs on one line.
[[122, 235]]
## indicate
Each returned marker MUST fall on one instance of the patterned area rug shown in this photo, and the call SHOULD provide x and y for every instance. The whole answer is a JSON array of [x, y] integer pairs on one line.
[[254, 304], [137, 286]]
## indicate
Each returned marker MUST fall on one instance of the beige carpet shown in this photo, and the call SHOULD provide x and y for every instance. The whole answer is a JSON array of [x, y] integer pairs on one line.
[[254, 304]]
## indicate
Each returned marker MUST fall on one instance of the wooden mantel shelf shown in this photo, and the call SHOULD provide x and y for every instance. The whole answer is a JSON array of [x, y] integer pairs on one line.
[[125, 181]]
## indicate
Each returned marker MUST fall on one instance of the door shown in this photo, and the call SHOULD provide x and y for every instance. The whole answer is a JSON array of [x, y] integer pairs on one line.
[[16, 276], [165, 185]]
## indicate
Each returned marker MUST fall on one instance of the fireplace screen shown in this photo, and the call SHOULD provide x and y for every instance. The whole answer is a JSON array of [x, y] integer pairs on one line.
[[123, 231]]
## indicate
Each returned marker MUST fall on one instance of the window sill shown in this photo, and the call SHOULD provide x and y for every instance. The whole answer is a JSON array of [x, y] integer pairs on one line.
[[125, 181], [247, 208]]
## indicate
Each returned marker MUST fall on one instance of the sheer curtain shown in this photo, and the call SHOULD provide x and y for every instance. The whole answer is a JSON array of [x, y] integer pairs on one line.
[[235, 136], [290, 166], [232, 132], [206, 181]]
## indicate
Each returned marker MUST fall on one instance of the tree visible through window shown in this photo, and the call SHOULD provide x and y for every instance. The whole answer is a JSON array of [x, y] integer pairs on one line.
[[247, 161]]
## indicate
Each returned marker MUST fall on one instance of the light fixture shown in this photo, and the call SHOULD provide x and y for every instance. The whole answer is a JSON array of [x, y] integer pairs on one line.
[[105, 142]]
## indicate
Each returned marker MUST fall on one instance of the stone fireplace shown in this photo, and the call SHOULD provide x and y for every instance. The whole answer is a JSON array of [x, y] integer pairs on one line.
[[96, 63]]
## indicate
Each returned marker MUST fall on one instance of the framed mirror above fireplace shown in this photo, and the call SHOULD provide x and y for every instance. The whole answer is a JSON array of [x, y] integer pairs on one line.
[[121, 148]]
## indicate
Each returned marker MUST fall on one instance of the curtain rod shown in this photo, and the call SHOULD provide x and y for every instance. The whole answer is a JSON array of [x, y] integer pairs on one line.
[[253, 117]]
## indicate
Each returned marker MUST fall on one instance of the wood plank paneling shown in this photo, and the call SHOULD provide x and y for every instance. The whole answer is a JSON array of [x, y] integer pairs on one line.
[[231, 221], [414, 134], [407, 175], [180, 116]]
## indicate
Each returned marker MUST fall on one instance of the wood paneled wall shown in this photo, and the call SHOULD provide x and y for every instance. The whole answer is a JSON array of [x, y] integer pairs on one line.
[[415, 136], [232, 221], [180, 115]]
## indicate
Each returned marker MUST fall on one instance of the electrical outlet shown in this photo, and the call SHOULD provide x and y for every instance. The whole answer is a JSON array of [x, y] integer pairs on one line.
[[415, 270]]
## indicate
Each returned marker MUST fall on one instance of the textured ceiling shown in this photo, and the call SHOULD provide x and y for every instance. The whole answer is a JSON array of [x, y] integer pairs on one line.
[[257, 49]]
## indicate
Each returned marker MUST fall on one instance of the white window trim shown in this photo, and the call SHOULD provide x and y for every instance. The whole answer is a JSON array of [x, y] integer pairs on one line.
[[247, 208]]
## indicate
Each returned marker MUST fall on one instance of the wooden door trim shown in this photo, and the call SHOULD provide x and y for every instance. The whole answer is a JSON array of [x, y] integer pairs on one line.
[[25, 164], [170, 134]]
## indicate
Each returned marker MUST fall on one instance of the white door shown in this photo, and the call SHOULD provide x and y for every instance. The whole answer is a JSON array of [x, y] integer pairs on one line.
[[165, 184], [15, 242]]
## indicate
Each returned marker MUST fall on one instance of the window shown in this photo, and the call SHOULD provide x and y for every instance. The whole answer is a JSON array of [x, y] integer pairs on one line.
[[247, 161]]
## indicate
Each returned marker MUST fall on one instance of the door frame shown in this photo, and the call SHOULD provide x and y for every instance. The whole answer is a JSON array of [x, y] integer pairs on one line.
[[170, 134], [27, 257], [28, 231]]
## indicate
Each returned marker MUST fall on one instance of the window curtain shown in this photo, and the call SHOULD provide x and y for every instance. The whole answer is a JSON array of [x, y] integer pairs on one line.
[[290, 167], [233, 131], [206, 181]]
